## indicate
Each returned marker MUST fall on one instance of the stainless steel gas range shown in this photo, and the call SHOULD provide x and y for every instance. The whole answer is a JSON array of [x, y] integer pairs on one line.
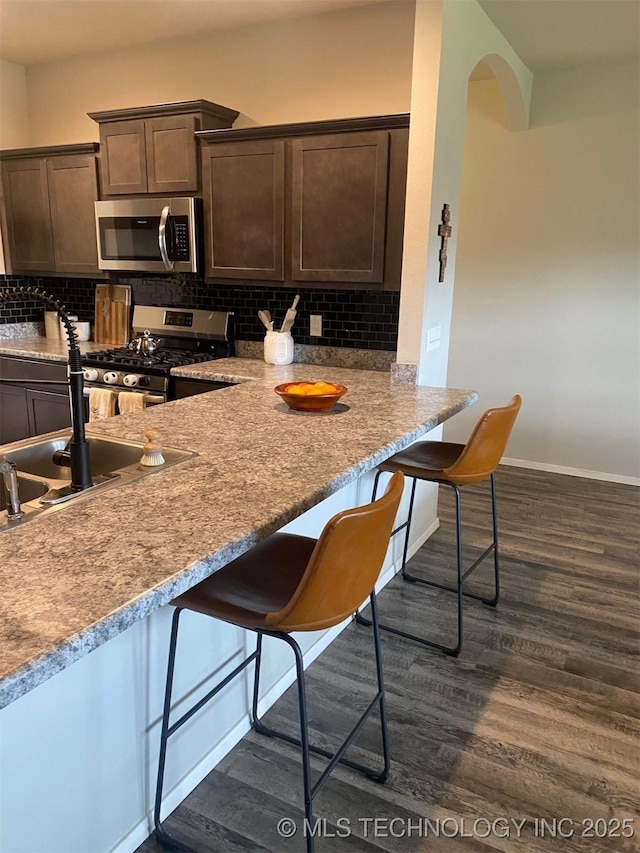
[[163, 338]]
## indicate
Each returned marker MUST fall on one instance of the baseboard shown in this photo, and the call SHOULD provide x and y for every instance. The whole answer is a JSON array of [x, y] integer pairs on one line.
[[572, 472], [188, 783]]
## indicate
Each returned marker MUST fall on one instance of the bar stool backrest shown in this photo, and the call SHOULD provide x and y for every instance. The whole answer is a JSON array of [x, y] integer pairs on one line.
[[343, 566], [486, 445]]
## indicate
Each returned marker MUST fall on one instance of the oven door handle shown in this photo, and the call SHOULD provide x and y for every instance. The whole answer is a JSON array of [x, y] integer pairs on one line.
[[150, 399], [162, 237]]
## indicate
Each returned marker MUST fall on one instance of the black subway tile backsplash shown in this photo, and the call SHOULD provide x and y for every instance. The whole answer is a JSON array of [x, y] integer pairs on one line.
[[358, 319]]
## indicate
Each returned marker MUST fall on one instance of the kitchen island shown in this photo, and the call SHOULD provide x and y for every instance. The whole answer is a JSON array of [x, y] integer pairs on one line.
[[78, 578]]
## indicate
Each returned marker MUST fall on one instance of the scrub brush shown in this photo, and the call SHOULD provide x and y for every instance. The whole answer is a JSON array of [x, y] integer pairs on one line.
[[152, 451]]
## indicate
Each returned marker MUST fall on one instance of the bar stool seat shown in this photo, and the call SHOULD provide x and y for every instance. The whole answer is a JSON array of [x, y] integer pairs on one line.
[[245, 595], [290, 583], [454, 465], [424, 458]]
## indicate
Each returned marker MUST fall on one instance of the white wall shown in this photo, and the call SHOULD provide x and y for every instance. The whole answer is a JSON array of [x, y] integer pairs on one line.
[[350, 63], [450, 39], [14, 109], [547, 290]]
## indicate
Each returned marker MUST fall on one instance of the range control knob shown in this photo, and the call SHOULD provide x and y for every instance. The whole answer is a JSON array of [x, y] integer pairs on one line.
[[90, 374], [111, 377], [130, 380], [143, 380]]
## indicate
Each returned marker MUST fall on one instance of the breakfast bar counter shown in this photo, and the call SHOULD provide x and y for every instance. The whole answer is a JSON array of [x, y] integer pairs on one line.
[[83, 624], [75, 578]]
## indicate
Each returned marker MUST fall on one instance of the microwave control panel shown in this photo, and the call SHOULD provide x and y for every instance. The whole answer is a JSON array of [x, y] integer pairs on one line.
[[181, 245]]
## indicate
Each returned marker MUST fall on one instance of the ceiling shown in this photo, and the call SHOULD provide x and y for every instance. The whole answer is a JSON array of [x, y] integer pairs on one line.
[[548, 34], [545, 33], [43, 30]]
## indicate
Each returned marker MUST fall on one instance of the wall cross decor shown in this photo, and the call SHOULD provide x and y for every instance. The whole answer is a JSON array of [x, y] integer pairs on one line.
[[444, 231]]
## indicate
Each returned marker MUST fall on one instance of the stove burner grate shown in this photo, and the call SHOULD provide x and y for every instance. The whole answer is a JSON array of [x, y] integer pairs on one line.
[[162, 358]]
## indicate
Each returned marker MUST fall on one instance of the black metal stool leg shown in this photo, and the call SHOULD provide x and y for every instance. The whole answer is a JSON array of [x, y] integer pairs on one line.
[[461, 593], [337, 756], [256, 722], [310, 790], [167, 730], [456, 650], [384, 775], [359, 618], [496, 557], [162, 837], [304, 743], [405, 575]]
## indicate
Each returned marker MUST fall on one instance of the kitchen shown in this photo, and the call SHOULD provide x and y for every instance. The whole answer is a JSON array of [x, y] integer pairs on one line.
[[155, 291]]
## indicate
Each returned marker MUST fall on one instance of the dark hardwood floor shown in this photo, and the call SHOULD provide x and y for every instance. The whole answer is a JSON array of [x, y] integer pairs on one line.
[[537, 719]]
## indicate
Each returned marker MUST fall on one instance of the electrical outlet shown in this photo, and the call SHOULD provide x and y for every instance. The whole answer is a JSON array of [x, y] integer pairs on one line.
[[315, 325], [433, 338]]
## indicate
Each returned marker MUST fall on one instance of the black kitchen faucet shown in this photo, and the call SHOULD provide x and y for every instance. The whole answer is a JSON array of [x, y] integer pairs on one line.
[[78, 445]]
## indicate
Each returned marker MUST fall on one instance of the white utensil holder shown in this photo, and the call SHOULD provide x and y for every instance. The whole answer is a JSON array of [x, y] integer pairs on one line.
[[278, 348], [63, 329], [83, 330]]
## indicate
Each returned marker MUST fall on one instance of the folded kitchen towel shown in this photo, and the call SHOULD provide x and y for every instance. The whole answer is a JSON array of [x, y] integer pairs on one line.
[[102, 404], [130, 401]]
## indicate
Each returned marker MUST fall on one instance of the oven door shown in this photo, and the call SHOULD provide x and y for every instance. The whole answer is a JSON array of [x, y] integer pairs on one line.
[[148, 235]]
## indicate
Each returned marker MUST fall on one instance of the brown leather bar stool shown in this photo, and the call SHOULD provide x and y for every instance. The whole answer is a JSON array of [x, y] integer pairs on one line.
[[293, 583], [454, 465]]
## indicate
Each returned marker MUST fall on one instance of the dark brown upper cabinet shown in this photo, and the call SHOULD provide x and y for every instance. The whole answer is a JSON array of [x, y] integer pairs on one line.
[[319, 203], [48, 209], [153, 149], [243, 188], [339, 196]]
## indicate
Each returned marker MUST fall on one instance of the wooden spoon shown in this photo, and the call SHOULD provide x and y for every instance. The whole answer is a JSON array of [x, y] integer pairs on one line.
[[265, 317]]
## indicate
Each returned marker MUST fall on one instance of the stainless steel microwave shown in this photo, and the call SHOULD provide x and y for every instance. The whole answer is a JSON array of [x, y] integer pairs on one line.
[[148, 235]]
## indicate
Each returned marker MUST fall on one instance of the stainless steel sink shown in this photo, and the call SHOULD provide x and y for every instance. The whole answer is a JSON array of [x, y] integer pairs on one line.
[[43, 485], [29, 490], [108, 455]]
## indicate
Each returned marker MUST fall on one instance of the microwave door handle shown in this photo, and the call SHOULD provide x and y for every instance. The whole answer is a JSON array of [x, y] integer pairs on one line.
[[162, 237]]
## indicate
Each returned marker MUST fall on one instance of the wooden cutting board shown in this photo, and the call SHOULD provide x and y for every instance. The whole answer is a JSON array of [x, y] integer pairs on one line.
[[113, 314]]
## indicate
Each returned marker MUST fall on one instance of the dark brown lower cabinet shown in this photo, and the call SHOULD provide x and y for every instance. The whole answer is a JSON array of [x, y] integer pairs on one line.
[[47, 411], [190, 387], [14, 418], [28, 410]]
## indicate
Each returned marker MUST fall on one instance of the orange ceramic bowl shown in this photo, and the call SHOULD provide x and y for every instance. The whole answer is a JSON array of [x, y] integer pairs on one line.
[[310, 402]]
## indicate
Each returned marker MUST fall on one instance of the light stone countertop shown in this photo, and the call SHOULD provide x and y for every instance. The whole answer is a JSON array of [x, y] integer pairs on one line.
[[43, 348], [74, 579]]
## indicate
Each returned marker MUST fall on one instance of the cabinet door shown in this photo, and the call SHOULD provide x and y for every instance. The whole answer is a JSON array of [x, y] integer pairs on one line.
[[73, 189], [339, 185], [172, 166], [28, 218], [243, 186], [14, 422], [47, 411], [123, 159]]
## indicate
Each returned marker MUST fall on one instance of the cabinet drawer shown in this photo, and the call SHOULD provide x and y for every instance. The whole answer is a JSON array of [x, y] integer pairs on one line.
[[29, 369]]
